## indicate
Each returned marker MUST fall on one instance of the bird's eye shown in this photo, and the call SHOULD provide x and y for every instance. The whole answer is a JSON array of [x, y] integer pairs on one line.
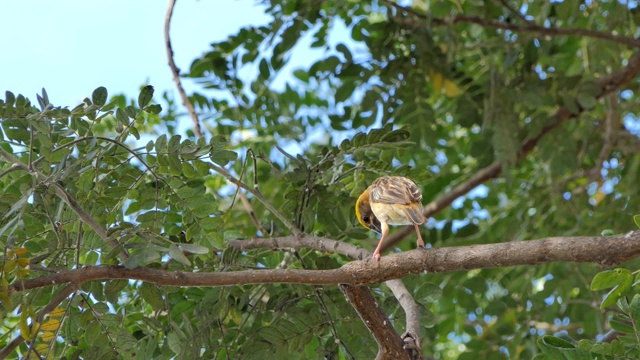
[[366, 218]]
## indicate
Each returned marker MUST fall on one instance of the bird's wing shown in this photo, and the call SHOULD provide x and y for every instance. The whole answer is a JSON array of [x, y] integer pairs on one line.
[[395, 190]]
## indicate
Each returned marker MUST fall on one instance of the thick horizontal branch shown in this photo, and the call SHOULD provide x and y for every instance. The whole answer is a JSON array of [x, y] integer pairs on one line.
[[605, 251]]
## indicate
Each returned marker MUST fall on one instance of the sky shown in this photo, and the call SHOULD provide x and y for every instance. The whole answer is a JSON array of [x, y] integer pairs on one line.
[[72, 47]]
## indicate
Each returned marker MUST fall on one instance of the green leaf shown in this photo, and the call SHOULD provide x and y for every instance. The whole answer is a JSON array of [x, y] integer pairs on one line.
[[131, 112], [181, 307], [591, 88], [177, 255], [9, 98], [122, 117], [153, 109], [587, 102], [428, 292], [133, 131], [42, 100], [186, 192], [427, 318], [110, 320], [396, 136], [621, 327], [556, 348], [146, 94], [111, 105], [345, 91], [99, 96], [174, 144], [149, 146], [175, 164], [100, 308], [161, 144], [115, 286], [302, 75], [344, 50], [189, 171], [617, 292], [175, 342], [223, 157], [634, 310], [636, 220], [140, 258], [264, 69], [569, 102], [152, 295], [93, 332], [193, 248], [609, 278]]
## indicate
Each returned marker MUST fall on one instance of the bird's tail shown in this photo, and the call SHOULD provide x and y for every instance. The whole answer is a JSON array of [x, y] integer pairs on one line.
[[415, 216]]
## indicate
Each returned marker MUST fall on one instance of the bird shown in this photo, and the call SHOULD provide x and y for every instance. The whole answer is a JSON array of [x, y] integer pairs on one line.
[[390, 200]]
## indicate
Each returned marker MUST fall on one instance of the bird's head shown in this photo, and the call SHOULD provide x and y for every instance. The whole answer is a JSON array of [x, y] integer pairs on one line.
[[365, 215]]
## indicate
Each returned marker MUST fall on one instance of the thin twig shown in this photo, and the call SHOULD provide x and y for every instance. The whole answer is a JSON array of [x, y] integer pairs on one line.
[[9, 170], [224, 172], [529, 28], [252, 213], [514, 11], [176, 72]]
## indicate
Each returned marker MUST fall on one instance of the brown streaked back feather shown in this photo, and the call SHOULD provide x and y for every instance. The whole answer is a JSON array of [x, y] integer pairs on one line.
[[395, 190]]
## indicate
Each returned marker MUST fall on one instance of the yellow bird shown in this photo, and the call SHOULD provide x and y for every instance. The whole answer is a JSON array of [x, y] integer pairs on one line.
[[390, 200]]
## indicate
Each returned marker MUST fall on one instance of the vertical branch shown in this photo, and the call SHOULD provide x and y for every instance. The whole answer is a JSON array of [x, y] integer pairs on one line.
[[389, 342], [176, 72], [411, 337]]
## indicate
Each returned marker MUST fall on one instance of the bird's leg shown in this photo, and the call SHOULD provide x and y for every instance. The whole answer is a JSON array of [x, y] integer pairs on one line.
[[385, 229], [420, 241]]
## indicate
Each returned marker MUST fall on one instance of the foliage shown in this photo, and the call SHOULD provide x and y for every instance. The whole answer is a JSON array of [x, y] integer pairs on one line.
[[403, 91]]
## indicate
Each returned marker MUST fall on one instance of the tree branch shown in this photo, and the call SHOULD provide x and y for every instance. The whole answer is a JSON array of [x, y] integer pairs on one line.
[[528, 28], [605, 251], [175, 72], [608, 84], [513, 10], [252, 213], [411, 337], [255, 192], [389, 342]]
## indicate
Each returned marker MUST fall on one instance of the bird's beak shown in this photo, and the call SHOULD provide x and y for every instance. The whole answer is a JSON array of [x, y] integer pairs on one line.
[[375, 226]]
